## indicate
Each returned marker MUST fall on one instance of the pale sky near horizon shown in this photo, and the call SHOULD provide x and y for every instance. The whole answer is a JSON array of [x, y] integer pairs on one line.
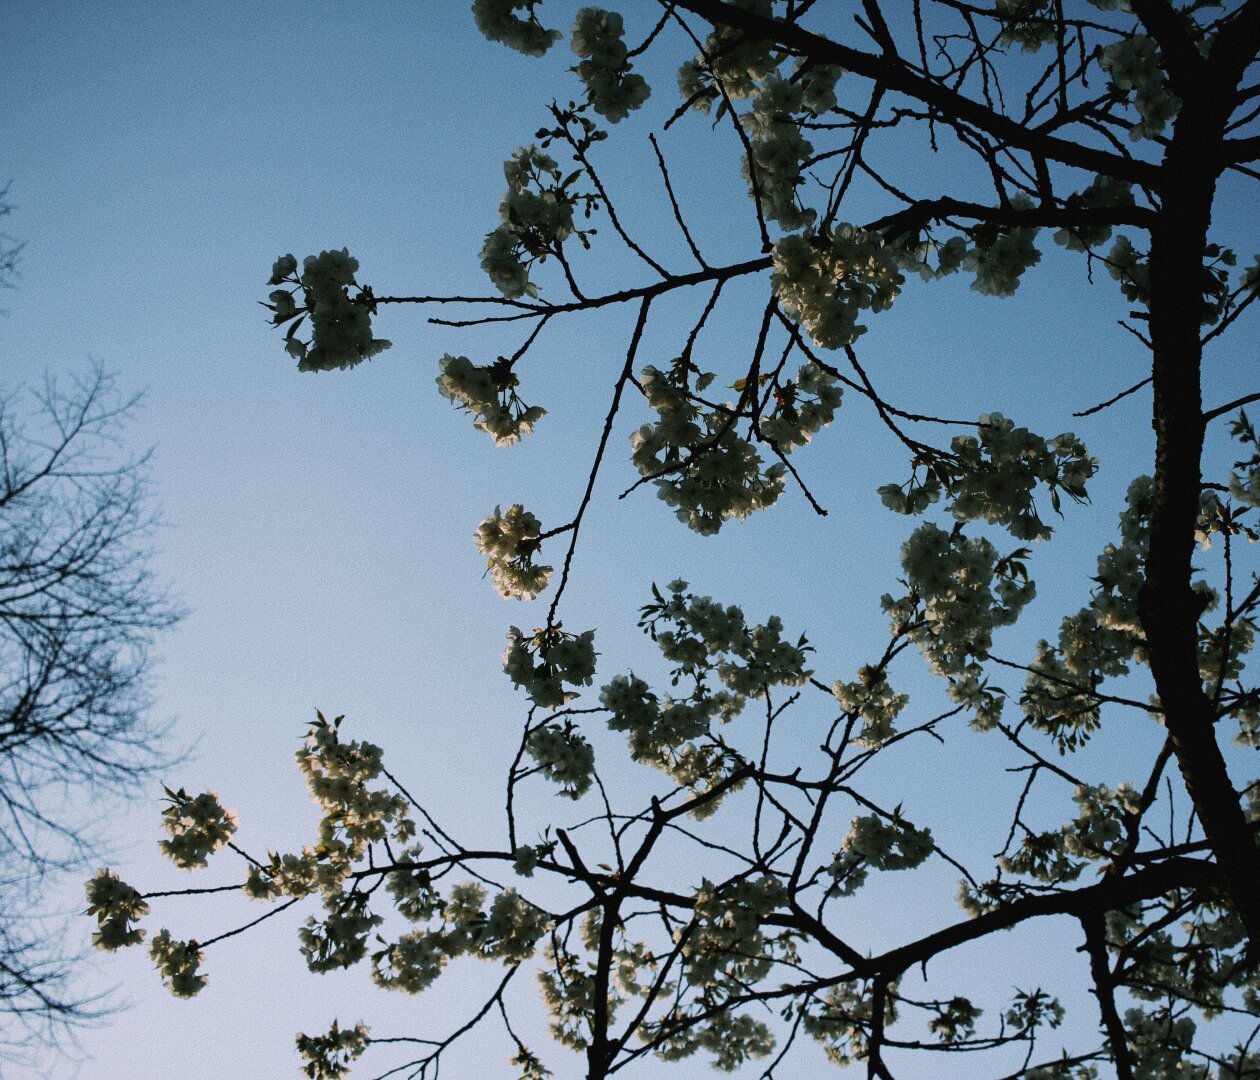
[[319, 527]]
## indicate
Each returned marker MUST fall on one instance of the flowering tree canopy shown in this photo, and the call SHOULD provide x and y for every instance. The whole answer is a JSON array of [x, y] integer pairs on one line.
[[1106, 127]]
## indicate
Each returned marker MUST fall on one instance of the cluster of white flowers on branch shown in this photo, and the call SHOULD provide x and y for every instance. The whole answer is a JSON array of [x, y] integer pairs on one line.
[[698, 459], [777, 152], [116, 906], [1133, 65], [875, 843], [510, 541], [993, 477], [613, 89], [498, 21], [726, 660], [489, 393], [873, 699], [178, 962], [961, 590], [1244, 479], [720, 474], [197, 827], [328, 1056], [544, 662], [827, 280], [731, 64], [537, 218], [508, 931], [341, 325]]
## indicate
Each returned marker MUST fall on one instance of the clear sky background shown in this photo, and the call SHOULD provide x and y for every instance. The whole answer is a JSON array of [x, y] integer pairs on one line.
[[319, 527]]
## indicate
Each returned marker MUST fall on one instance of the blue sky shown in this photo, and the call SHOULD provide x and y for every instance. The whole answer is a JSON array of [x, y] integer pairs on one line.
[[319, 527]]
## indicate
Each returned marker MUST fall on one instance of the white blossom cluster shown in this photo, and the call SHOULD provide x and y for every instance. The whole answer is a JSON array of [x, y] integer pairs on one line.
[[763, 660], [738, 61], [1000, 470], [826, 281], [1202, 967], [498, 21], [1043, 856], [731, 1037], [410, 964], [1102, 192], [1244, 478], [803, 407], [116, 906], [178, 962], [197, 828], [542, 663], [955, 1020], [564, 756], [341, 329], [1131, 269], [509, 931], [874, 843], [1132, 64], [536, 216], [1104, 638], [355, 815], [954, 605], [971, 689], [525, 859], [1031, 1009], [726, 946], [1160, 1047], [529, 1064], [415, 898], [999, 261], [818, 85], [1224, 648], [699, 635], [489, 393], [1251, 276], [613, 90], [294, 875], [328, 1056], [658, 731], [777, 152], [1098, 831], [843, 1020], [510, 541], [701, 638], [338, 775], [993, 477], [875, 701], [716, 474], [568, 986], [1026, 23], [1099, 641], [339, 940], [950, 257], [998, 256], [634, 965]]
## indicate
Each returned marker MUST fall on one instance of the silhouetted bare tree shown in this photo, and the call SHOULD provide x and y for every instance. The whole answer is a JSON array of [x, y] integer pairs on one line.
[[78, 610]]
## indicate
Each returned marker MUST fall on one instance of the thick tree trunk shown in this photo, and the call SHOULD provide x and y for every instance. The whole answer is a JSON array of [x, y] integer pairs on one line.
[[1168, 607]]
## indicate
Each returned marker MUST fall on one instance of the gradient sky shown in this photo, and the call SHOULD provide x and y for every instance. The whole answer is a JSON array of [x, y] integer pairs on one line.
[[319, 527]]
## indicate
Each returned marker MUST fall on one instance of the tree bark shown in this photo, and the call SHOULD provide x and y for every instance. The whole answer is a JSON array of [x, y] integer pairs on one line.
[[1167, 605]]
